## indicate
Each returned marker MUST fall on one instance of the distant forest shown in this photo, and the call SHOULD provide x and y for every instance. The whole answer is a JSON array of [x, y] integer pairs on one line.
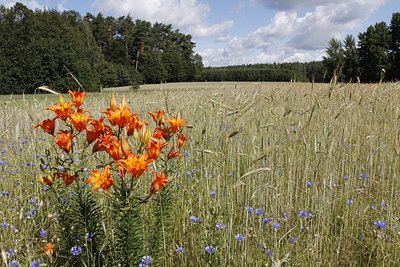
[[47, 47]]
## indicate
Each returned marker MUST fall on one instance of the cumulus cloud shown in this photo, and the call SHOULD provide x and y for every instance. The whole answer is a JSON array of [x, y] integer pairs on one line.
[[295, 4], [30, 4], [290, 37], [190, 15]]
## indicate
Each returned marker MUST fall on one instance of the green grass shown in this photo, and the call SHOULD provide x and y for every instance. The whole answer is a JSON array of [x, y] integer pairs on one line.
[[255, 145]]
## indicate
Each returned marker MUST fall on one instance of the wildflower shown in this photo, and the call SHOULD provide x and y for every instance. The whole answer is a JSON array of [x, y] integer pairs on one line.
[[147, 259], [89, 235], [101, 179], [373, 207], [175, 124], [172, 153], [79, 120], [380, 224], [77, 97], [269, 252], [303, 214], [43, 233], [13, 263], [68, 178], [309, 184], [188, 174], [209, 249], [36, 263], [276, 225], [76, 250], [119, 116], [194, 219], [181, 140], [293, 239], [363, 175], [266, 220], [239, 237], [285, 215], [154, 148], [259, 211], [249, 209], [349, 202], [49, 249], [136, 164], [134, 123], [65, 140], [158, 117], [384, 204], [47, 125], [180, 250], [62, 110], [220, 226], [158, 183], [346, 177], [212, 193]]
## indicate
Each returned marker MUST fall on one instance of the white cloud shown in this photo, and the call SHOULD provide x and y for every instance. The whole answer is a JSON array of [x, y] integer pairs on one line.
[[30, 4], [289, 37], [295, 4], [190, 15]]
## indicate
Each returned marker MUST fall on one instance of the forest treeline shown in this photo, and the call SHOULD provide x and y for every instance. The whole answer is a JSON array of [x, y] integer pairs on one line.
[[46, 47], [51, 48]]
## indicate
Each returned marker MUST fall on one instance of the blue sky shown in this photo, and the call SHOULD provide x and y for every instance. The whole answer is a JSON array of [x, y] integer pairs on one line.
[[246, 31]]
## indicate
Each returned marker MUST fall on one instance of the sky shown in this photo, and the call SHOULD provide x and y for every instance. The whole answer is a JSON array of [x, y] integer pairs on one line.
[[236, 32]]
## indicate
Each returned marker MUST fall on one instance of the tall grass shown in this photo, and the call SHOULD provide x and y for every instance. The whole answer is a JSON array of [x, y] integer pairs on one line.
[[307, 175]]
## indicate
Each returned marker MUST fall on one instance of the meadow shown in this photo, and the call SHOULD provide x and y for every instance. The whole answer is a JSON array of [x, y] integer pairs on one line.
[[289, 174]]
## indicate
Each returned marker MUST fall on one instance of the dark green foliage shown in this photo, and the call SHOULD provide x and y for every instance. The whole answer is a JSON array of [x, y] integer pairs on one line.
[[334, 60], [128, 224], [161, 225], [37, 47], [81, 225]]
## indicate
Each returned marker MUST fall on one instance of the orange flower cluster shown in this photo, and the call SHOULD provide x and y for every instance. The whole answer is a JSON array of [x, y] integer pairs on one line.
[[114, 139]]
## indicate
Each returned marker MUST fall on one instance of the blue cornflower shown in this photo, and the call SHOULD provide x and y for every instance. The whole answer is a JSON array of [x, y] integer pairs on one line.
[[43, 233], [373, 207], [285, 215], [346, 177], [269, 252], [212, 193], [309, 184], [180, 250], [36, 263], [259, 211], [266, 220], [240, 237], [249, 209], [194, 219], [220, 226], [363, 175], [350, 202], [32, 212], [188, 174], [276, 225], [293, 239], [76, 250], [89, 235], [380, 224], [147, 259], [13, 263], [383, 204], [303, 214], [209, 249]]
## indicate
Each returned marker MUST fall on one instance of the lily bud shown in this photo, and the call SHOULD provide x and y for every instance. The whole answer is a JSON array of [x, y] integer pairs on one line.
[[147, 135], [61, 99], [136, 135], [113, 102], [123, 102], [142, 133], [125, 147]]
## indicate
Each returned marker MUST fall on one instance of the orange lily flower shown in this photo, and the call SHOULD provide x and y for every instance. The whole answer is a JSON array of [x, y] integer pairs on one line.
[[159, 182], [101, 179], [77, 97], [49, 249], [159, 133], [134, 123], [158, 116], [114, 149], [68, 179], [65, 140], [79, 120], [181, 140], [172, 153], [176, 123], [48, 180], [102, 143], [119, 117], [136, 164], [63, 110], [47, 125], [154, 148], [91, 135]]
